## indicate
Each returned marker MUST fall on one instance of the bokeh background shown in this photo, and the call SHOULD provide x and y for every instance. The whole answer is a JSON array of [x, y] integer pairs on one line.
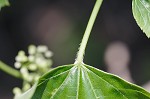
[[116, 45]]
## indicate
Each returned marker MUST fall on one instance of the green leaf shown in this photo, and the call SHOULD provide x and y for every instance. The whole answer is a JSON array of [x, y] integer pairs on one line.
[[84, 82], [3, 3], [141, 13]]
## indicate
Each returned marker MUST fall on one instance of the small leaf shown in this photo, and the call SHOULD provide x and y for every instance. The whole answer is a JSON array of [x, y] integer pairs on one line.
[[141, 13], [3, 3], [84, 82]]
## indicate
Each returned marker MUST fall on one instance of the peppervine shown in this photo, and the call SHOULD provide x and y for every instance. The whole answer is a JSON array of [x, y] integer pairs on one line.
[[81, 81]]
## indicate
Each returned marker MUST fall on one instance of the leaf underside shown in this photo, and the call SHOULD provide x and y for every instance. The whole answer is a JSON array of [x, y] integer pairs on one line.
[[3, 3], [84, 82], [141, 13]]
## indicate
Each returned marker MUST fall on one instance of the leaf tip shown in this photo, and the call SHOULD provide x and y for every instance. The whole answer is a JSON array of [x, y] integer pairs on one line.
[[148, 36]]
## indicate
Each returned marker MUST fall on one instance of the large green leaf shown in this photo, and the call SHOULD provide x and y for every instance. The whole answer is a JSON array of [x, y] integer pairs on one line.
[[3, 3], [84, 82], [141, 12]]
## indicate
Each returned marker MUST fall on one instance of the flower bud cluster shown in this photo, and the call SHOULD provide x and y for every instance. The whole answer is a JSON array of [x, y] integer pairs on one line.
[[32, 66]]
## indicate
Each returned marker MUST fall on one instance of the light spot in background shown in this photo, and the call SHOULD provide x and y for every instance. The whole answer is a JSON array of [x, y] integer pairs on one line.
[[53, 26], [117, 58], [50, 25]]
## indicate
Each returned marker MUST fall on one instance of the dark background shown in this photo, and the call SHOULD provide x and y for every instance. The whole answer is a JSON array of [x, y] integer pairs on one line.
[[60, 24]]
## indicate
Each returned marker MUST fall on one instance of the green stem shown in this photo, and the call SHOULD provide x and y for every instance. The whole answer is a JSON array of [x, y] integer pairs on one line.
[[80, 54], [10, 70]]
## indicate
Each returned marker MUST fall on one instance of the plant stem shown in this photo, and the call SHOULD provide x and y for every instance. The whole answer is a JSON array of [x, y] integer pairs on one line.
[[80, 54], [10, 70]]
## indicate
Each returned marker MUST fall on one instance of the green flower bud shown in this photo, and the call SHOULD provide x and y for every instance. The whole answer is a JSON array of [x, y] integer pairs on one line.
[[17, 65], [42, 48], [32, 49]]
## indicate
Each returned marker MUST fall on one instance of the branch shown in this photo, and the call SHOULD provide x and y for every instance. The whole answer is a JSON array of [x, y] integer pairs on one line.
[[9, 70]]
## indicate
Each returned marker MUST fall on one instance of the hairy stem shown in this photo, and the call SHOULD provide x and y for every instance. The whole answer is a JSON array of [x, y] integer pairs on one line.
[[80, 54], [10, 70]]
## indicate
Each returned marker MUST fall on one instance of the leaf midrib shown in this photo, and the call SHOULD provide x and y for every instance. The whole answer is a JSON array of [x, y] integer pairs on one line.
[[89, 81]]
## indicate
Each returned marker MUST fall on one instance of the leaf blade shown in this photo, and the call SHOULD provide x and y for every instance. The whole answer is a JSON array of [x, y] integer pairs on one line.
[[3, 3], [85, 82], [119, 83], [141, 13]]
